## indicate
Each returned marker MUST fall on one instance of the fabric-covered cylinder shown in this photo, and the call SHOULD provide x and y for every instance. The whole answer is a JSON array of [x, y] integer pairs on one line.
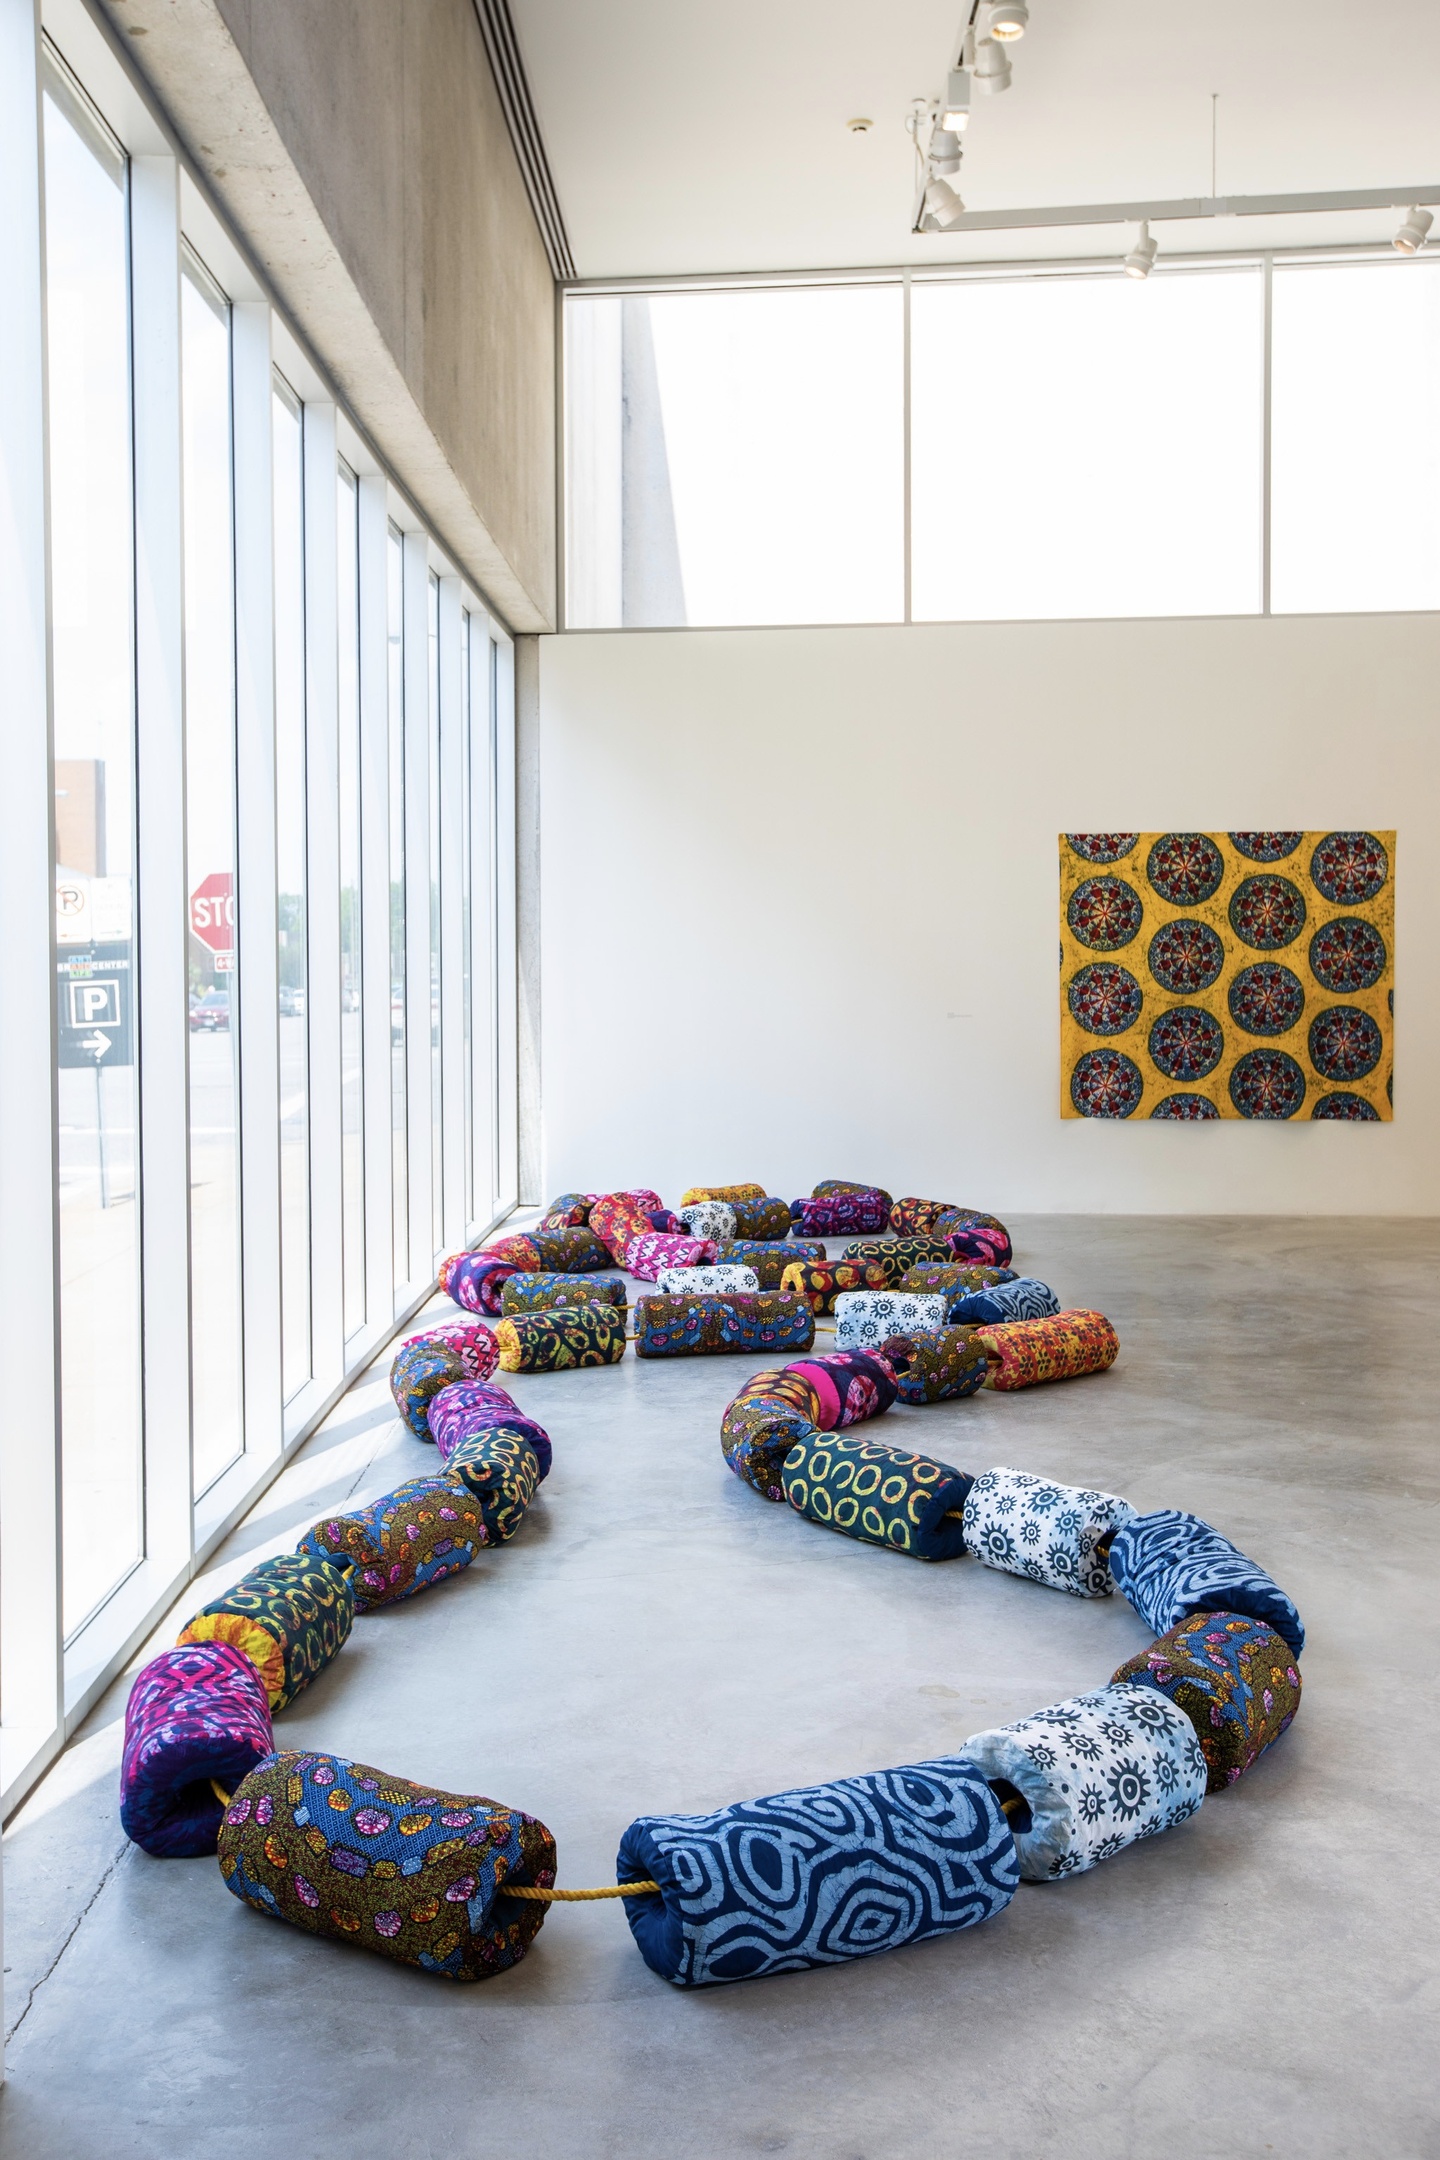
[[768, 1261], [863, 1318], [822, 1281], [569, 1339], [917, 1218], [618, 1217], [576, 1251], [719, 1281], [828, 1186], [521, 1249], [976, 1237], [1097, 1773], [847, 1387], [477, 1407], [882, 1495], [1234, 1678], [428, 1528], [767, 1221], [1027, 1298], [546, 1292], [757, 1432], [1170, 1565], [1025, 1353], [1051, 1533], [819, 1875], [195, 1713], [405, 1870], [956, 1276], [647, 1256], [290, 1616], [475, 1279], [419, 1372], [729, 1193], [896, 1256], [744, 1320], [713, 1219], [935, 1368], [840, 1214], [502, 1470], [570, 1212]]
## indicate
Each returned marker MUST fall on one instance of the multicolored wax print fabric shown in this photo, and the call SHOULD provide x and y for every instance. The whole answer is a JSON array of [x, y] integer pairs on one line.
[[1098, 1773], [728, 1193], [405, 1870], [568, 1339], [954, 1276], [817, 1876], [290, 1616], [427, 1529], [764, 1220], [757, 1432], [618, 1217], [1234, 1678], [195, 1713], [546, 1292], [570, 1212], [938, 1367], [1024, 1353], [576, 1251], [1170, 1564], [827, 1186], [848, 1386], [477, 1406], [822, 1281], [502, 1470], [768, 1261], [470, 1341], [1051, 1533], [1227, 975], [896, 1256], [881, 1495], [420, 1371], [841, 1214], [917, 1218], [475, 1279], [975, 1237], [653, 1251]]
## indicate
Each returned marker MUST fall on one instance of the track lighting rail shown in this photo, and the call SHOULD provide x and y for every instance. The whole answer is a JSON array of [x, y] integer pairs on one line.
[[1191, 207]]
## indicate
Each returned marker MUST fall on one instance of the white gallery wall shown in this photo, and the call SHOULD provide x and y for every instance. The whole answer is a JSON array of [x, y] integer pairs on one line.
[[800, 891]]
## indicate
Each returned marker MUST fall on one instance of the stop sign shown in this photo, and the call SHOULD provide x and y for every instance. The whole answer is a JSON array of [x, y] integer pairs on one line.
[[212, 911]]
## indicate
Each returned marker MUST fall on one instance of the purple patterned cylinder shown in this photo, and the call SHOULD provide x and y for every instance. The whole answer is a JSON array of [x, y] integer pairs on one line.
[[475, 1406], [195, 1713], [474, 1279], [841, 1214]]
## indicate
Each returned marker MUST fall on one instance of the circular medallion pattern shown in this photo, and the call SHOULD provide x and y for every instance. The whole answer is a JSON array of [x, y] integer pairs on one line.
[[1104, 913], [1351, 1109], [1347, 955], [1345, 1043], [1349, 867], [1187, 1042], [1267, 912], [1105, 998], [1265, 846], [1191, 1107], [1185, 956], [1101, 847], [1185, 868], [1266, 999], [1267, 1084], [1106, 1084]]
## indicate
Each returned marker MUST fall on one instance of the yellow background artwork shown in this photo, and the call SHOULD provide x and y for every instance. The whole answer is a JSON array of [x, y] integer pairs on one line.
[[1247, 975]]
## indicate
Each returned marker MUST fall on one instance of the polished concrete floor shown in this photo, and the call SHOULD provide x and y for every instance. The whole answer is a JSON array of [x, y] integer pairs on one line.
[[1263, 1980]]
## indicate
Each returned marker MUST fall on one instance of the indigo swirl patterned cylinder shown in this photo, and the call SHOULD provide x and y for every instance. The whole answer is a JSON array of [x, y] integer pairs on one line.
[[819, 1875], [1051, 1533], [1026, 1298], [1170, 1565], [881, 1495], [194, 1713]]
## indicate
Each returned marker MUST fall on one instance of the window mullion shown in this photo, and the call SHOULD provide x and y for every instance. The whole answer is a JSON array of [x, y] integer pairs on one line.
[[322, 802]]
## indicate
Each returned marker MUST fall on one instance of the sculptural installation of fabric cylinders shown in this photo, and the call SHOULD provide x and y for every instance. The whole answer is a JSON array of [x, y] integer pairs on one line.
[[728, 1193], [648, 1256], [1097, 1773], [822, 1281], [420, 1371], [1235, 1679], [575, 1251], [290, 1616], [546, 1292], [757, 1432], [502, 1471], [917, 1218], [847, 1387], [768, 1261], [405, 1870], [980, 1239], [819, 1875], [882, 1495], [459, 1413], [427, 1529], [841, 1214], [956, 1276], [1026, 1298], [1051, 1533], [896, 1256], [570, 1212], [719, 1281], [767, 1221], [742, 1320], [936, 1368], [468, 1340], [1026, 1353], [475, 1280], [568, 1339], [195, 1713], [1169, 1565], [829, 1186], [713, 1219], [863, 1318]]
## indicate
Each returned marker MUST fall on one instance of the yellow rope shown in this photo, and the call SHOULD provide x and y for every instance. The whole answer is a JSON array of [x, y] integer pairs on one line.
[[619, 1889], [220, 1793]]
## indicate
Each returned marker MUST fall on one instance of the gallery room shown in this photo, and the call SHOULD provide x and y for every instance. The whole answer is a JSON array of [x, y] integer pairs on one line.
[[718, 1239]]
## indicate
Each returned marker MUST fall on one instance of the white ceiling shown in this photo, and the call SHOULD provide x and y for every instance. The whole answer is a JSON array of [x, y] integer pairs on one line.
[[686, 138]]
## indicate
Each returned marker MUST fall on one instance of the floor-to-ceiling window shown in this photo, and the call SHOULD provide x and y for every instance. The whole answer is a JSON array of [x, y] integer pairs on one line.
[[291, 889], [352, 1031], [395, 767]]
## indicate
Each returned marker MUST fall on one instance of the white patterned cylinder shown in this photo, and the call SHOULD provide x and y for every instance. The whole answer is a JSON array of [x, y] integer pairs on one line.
[[863, 1318], [709, 1218], [1031, 1526], [726, 1280]]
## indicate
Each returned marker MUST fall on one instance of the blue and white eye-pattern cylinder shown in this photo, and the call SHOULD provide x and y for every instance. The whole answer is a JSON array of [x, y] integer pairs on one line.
[[864, 1318], [728, 1279], [1098, 1773], [709, 1219], [1031, 1526]]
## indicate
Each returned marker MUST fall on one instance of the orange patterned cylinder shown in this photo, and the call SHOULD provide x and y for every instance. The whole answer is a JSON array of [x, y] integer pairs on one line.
[[1023, 1353], [728, 1193]]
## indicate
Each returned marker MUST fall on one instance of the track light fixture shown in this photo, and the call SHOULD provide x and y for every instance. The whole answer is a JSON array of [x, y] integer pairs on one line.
[[943, 206], [1415, 231], [944, 151], [955, 110], [1141, 259], [992, 67], [1007, 20]]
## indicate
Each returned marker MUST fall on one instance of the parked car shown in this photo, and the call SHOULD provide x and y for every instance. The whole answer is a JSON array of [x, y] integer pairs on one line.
[[211, 1014], [291, 1002]]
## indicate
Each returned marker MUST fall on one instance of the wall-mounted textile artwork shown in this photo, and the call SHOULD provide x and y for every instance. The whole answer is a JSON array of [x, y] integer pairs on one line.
[[1227, 975]]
